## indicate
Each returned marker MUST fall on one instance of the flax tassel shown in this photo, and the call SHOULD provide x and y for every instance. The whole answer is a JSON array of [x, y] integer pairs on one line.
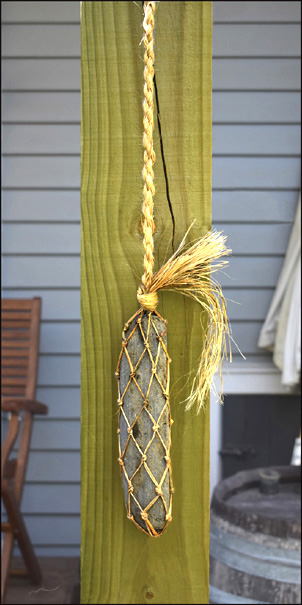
[[189, 272]]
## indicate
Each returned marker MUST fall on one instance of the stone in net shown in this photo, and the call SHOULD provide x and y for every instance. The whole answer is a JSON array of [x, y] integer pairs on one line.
[[145, 422]]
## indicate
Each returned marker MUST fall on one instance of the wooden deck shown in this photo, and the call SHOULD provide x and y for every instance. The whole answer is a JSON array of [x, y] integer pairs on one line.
[[60, 583]]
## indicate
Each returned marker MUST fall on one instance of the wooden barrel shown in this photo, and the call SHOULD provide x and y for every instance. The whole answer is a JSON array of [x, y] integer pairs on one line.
[[255, 552]]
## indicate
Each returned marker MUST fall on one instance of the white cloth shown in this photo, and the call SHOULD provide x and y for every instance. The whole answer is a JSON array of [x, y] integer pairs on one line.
[[281, 331]]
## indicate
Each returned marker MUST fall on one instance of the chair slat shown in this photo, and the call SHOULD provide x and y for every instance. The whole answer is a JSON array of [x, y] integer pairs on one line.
[[14, 352], [16, 303], [12, 391], [12, 344], [5, 371], [15, 324], [16, 315], [10, 381], [15, 335], [20, 350], [14, 362]]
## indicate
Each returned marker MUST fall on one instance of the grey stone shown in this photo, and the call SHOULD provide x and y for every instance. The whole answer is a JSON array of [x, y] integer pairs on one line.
[[138, 396]]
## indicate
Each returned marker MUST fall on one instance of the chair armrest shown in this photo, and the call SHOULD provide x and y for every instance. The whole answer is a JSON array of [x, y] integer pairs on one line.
[[23, 405]]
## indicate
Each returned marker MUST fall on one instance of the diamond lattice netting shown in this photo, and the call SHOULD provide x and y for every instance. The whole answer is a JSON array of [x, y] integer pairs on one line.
[[145, 422]]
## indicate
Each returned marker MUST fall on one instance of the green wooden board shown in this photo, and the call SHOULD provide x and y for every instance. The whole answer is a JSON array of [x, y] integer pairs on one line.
[[119, 563]]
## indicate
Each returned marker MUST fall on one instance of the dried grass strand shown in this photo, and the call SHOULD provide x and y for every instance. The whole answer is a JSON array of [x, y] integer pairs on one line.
[[189, 271]]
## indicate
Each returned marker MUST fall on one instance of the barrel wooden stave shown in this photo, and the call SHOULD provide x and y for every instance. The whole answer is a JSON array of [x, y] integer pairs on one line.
[[255, 553]]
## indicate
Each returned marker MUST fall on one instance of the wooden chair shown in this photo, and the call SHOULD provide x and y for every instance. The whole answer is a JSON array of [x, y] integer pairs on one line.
[[20, 347]]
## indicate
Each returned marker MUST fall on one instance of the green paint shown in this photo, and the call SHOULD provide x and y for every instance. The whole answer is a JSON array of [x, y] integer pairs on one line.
[[119, 563]]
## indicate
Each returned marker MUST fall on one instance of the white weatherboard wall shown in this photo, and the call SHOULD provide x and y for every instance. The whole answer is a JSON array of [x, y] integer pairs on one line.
[[256, 178], [256, 174], [41, 51]]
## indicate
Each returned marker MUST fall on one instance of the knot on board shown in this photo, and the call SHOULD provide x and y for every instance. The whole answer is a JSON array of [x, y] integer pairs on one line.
[[147, 300]]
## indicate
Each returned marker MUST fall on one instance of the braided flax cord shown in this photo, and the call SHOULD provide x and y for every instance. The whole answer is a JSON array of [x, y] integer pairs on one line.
[[144, 422], [149, 154]]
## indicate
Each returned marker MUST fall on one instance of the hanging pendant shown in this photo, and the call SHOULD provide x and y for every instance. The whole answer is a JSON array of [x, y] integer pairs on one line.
[[144, 431], [143, 367]]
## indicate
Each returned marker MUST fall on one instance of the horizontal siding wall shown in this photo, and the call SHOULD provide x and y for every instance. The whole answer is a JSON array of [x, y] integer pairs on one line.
[[41, 246], [256, 178], [256, 153]]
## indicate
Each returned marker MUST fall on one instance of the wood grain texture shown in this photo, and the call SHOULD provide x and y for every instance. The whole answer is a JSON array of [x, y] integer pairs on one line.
[[119, 563]]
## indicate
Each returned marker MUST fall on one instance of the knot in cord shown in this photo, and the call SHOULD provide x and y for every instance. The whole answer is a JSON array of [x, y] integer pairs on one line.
[[147, 300]]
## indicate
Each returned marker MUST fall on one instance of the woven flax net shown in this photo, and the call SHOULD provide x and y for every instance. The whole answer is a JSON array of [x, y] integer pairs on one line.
[[144, 432], [144, 422]]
